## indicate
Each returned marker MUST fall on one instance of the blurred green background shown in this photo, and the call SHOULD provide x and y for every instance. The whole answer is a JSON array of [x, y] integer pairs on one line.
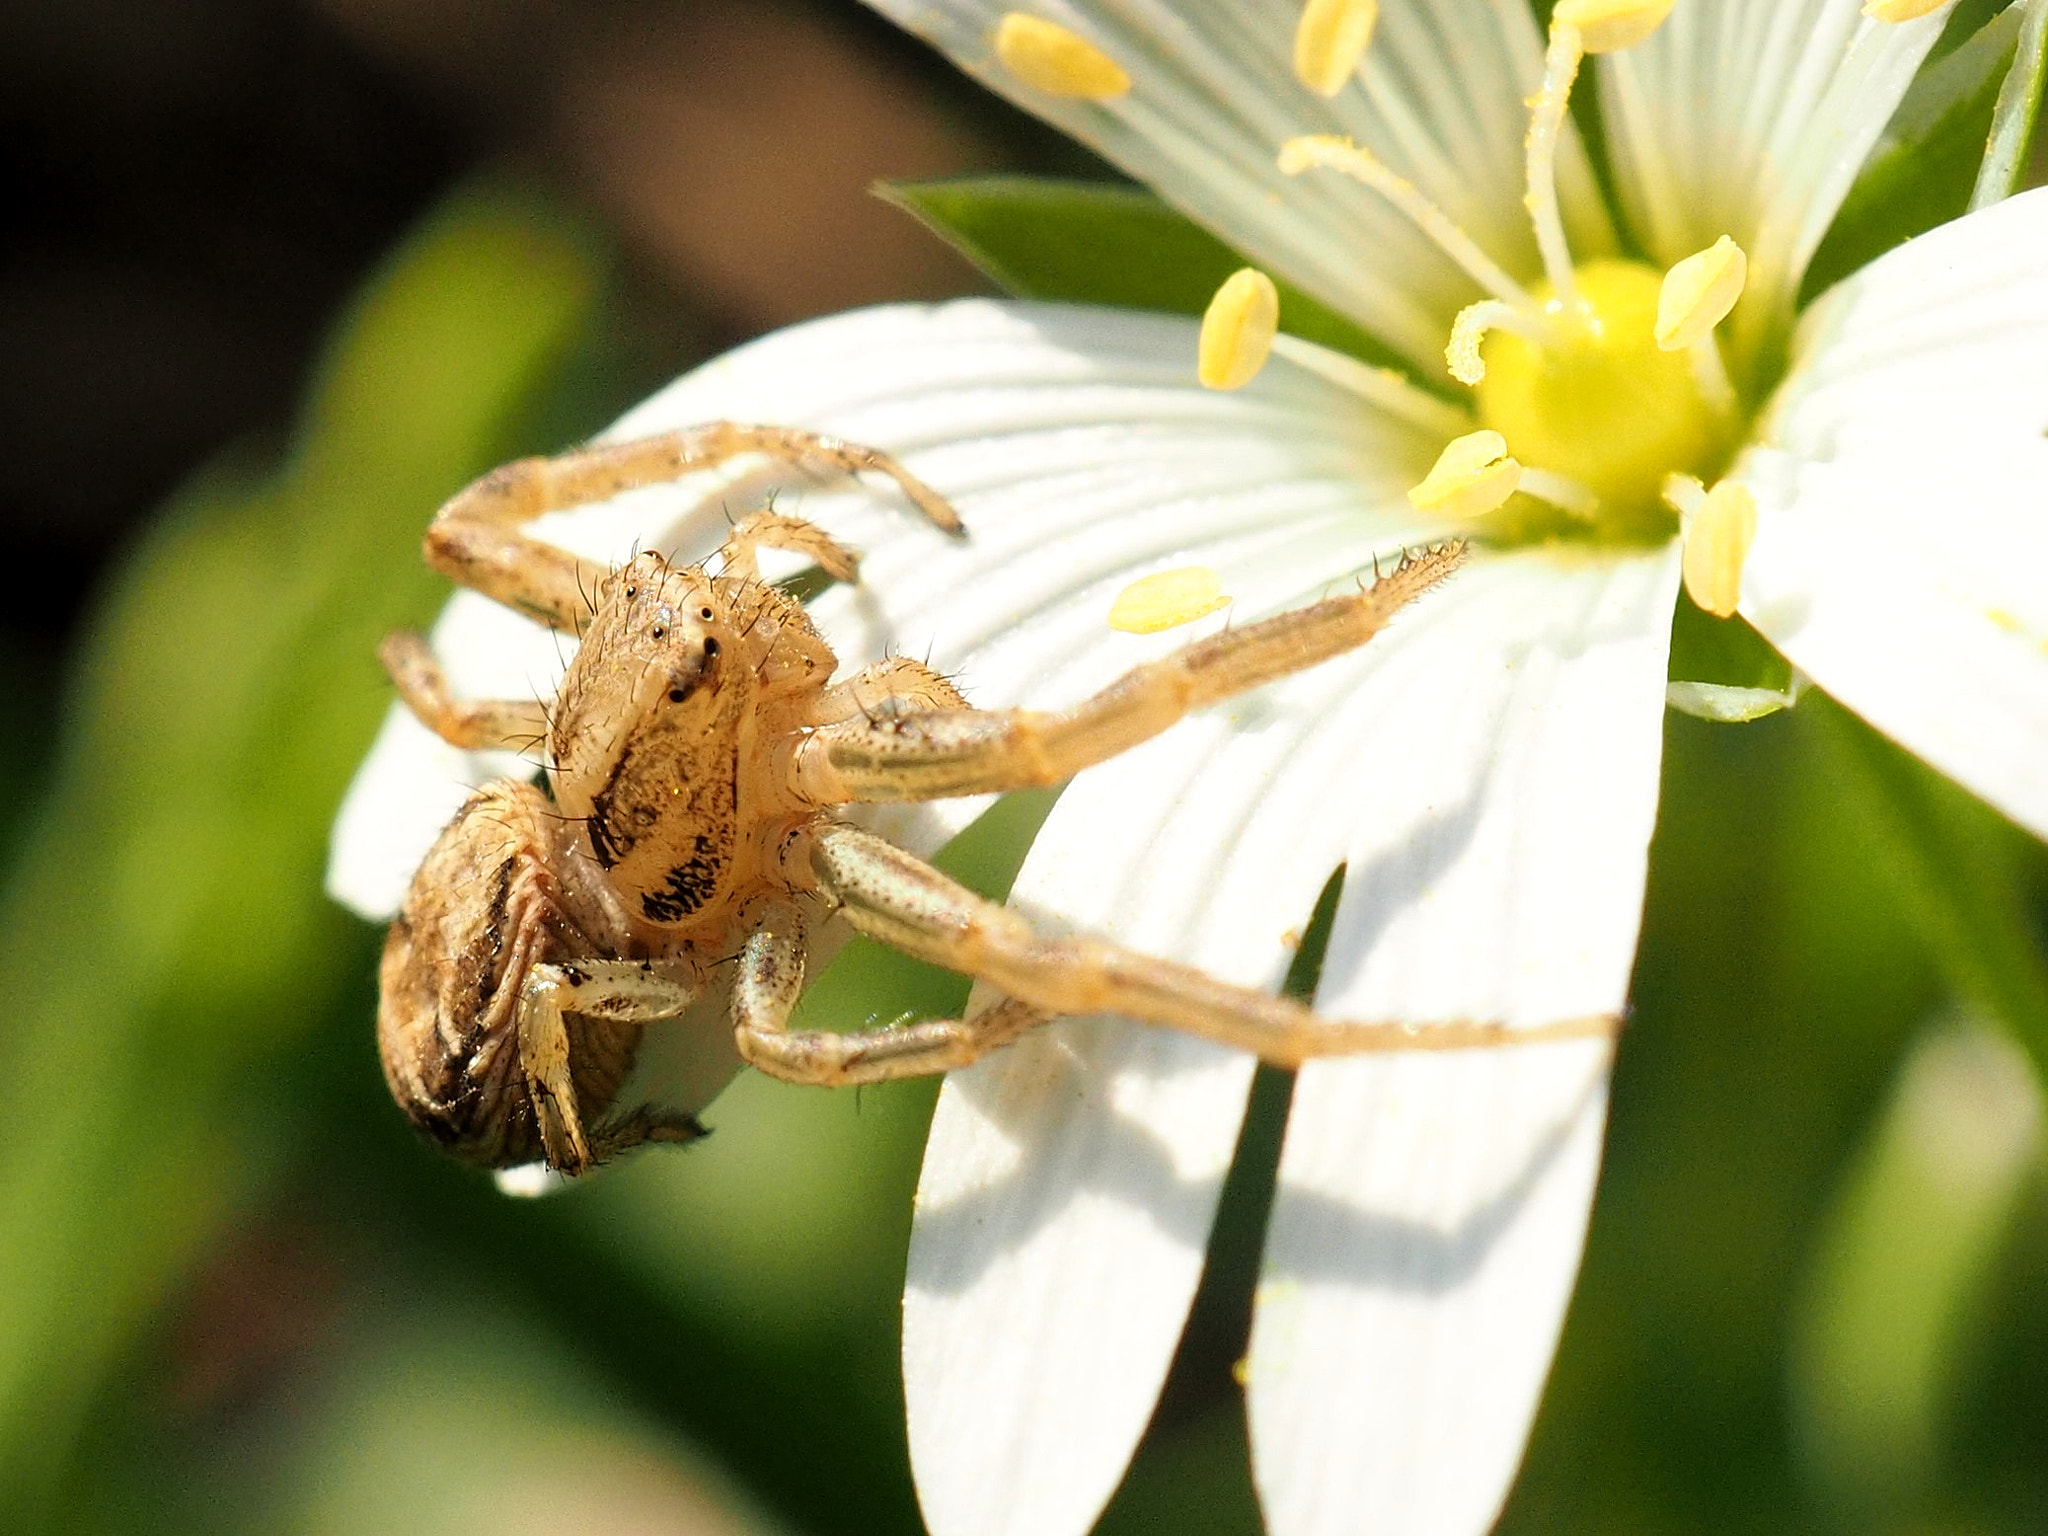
[[282, 276]]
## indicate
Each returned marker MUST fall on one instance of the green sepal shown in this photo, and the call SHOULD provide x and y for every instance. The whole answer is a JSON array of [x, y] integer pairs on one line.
[[1087, 242], [1923, 169], [2017, 110]]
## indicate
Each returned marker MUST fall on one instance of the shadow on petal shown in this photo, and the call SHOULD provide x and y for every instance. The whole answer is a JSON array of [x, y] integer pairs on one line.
[[1130, 1166]]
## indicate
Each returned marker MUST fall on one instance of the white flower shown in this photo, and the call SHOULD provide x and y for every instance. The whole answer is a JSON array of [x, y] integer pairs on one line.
[[1486, 772]]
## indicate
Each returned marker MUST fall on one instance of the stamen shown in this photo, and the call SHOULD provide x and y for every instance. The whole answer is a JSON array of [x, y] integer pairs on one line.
[[1472, 476], [1710, 377], [1718, 527], [1382, 387], [1539, 158], [1167, 598], [1561, 491], [1901, 10], [1238, 329], [1698, 293], [1329, 41], [1461, 353], [1683, 493], [1608, 26], [1048, 57], [1333, 152]]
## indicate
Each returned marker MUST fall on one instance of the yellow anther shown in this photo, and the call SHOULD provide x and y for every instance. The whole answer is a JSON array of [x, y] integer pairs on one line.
[[1165, 599], [1717, 539], [1608, 26], [1048, 57], [1473, 475], [1698, 293], [1238, 329], [1330, 40], [1901, 10], [1461, 352]]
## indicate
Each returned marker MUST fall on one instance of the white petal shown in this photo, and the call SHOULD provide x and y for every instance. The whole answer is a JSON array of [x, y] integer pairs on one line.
[[1439, 97], [1069, 1182], [1430, 1209], [1750, 119], [1902, 547]]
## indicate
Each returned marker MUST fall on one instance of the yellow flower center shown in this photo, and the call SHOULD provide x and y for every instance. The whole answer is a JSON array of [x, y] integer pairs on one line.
[[1596, 400], [1597, 386]]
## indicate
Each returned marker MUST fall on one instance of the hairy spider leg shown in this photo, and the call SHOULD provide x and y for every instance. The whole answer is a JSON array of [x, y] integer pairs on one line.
[[770, 529], [475, 538], [625, 991], [890, 895], [936, 754], [891, 689], [770, 979], [478, 724]]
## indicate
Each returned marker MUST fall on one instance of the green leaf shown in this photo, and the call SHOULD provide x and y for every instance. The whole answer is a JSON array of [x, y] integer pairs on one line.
[[1953, 863], [164, 938], [1900, 1282], [1922, 171], [2018, 106], [1089, 242]]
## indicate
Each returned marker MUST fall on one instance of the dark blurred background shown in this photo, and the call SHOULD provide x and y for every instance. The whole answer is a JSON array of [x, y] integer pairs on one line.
[[276, 277], [199, 186]]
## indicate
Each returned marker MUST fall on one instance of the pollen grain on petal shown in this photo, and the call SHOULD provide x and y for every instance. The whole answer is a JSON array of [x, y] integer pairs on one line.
[[1166, 599], [1608, 26], [1717, 539], [1330, 39], [1048, 57], [1472, 476], [1238, 329], [1698, 292], [1901, 10]]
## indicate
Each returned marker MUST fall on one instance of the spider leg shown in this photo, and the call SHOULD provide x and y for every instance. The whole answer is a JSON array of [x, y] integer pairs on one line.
[[944, 752], [889, 689], [776, 530], [640, 1127], [624, 991], [479, 723], [770, 979], [892, 896], [475, 538]]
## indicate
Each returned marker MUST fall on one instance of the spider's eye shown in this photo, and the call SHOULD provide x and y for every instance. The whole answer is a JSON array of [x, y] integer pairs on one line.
[[631, 593], [710, 649], [658, 631], [706, 615], [676, 695]]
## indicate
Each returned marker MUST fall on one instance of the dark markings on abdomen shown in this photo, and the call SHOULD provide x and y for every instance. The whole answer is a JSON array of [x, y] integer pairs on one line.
[[688, 886]]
